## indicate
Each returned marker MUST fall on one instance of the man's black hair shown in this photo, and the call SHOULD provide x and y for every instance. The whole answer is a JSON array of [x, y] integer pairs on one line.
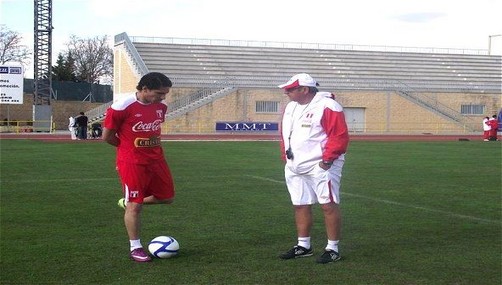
[[154, 80]]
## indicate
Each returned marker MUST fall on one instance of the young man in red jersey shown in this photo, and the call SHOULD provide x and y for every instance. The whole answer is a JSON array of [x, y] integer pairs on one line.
[[132, 125], [494, 125]]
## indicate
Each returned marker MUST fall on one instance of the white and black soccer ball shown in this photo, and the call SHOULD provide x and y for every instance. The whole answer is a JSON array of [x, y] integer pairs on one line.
[[163, 247]]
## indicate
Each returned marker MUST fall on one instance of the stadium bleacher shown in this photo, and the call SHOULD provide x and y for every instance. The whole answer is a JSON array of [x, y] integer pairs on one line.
[[263, 67], [213, 69]]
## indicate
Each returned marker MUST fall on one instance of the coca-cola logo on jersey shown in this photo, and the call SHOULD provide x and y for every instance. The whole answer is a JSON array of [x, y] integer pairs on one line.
[[147, 127]]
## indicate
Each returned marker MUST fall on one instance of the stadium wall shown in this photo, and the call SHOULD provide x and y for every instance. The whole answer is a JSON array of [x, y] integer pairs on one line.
[[384, 112], [125, 78]]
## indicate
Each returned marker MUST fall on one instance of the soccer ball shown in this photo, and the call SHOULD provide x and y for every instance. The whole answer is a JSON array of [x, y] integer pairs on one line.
[[163, 247]]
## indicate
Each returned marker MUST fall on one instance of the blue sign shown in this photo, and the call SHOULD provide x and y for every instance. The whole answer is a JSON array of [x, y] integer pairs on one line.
[[15, 70], [246, 126]]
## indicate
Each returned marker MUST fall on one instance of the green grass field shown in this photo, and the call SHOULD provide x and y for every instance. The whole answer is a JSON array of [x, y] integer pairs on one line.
[[414, 213]]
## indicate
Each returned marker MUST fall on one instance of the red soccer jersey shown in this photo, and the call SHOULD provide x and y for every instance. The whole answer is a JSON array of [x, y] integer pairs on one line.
[[138, 129], [493, 124]]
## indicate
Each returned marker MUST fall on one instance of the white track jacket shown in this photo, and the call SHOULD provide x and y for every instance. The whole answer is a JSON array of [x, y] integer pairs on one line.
[[316, 131]]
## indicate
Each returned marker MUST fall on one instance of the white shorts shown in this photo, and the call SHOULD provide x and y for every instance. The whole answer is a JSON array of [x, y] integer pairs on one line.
[[316, 186]]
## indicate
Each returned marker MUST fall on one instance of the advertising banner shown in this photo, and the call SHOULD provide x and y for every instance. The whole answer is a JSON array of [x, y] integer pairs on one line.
[[247, 126], [11, 85]]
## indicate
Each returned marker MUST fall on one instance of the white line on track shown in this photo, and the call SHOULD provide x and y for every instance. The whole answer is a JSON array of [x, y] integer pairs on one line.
[[396, 203]]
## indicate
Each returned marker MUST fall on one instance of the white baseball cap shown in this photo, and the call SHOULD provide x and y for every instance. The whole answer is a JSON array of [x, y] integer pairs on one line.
[[301, 79]]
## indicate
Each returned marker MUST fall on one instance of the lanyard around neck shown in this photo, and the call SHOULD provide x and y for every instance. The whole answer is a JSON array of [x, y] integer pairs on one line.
[[293, 119]]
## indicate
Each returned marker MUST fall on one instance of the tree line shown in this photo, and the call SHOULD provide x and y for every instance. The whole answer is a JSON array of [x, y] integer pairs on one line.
[[84, 59]]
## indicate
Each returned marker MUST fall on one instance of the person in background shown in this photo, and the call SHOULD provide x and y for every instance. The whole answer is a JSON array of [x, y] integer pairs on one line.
[[71, 128], [96, 130], [486, 129], [81, 121], [494, 125], [133, 126], [314, 139]]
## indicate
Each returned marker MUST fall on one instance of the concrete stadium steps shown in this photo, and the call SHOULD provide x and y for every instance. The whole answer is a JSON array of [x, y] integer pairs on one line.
[[423, 71]]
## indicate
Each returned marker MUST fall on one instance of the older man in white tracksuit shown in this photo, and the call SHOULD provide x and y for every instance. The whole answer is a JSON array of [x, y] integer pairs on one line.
[[314, 139]]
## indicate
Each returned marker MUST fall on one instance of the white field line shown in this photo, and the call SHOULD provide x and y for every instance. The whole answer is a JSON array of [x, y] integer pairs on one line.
[[282, 182], [397, 203]]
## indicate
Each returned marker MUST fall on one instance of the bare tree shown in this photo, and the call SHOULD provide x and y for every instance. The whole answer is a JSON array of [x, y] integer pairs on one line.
[[11, 49], [93, 58]]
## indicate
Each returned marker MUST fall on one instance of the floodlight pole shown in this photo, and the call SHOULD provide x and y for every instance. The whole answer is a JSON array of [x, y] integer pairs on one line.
[[42, 51], [42, 109], [490, 42]]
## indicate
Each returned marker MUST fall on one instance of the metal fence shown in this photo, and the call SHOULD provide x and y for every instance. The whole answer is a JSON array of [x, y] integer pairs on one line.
[[75, 91]]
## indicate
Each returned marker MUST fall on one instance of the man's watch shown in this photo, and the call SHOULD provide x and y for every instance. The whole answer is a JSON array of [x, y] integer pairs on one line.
[[327, 163]]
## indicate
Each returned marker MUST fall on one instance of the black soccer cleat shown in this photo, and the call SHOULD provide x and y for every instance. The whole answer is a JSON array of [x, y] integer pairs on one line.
[[329, 256], [296, 252]]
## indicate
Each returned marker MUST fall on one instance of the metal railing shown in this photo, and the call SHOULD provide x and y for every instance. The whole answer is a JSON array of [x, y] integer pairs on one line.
[[196, 100], [433, 105], [300, 45], [98, 114], [27, 126]]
